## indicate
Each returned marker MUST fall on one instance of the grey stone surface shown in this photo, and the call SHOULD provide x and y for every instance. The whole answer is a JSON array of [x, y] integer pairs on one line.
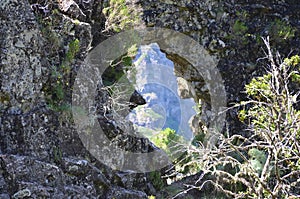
[[44, 157], [41, 155]]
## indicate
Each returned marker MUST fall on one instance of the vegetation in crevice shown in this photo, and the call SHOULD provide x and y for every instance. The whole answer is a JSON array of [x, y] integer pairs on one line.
[[156, 179], [280, 30], [59, 86], [120, 16], [175, 147], [239, 29], [58, 90]]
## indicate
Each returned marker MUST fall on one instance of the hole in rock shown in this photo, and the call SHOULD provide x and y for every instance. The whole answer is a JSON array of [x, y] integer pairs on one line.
[[155, 80]]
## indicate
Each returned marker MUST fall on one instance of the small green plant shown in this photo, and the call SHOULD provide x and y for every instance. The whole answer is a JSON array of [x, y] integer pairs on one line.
[[120, 16], [242, 14], [74, 47], [167, 140], [239, 27], [59, 81], [176, 148], [157, 181], [239, 32], [281, 30], [259, 87], [294, 61]]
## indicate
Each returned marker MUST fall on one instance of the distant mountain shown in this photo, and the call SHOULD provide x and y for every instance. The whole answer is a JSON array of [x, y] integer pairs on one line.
[[154, 79]]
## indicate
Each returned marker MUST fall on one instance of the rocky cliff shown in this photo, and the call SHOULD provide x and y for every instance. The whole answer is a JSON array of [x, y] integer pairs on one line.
[[231, 31], [44, 44]]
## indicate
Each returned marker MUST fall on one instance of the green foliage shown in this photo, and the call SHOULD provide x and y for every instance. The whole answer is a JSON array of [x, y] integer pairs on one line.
[[112, 75], [167, 140], [74, 47], [199, 138], [148, 113], [197, 108], [274, 121], [120, 16], [175, 147], [59, 81], [239, 32], [239, 27], [157, 181], [242, 115], [263, 163], [281, 30], [131, 53], [294, 62], [260, 87]]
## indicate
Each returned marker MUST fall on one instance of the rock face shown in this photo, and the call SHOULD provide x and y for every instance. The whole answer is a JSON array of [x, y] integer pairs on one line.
[[23, 74], [231, 31], [43, 45], [25, 177]]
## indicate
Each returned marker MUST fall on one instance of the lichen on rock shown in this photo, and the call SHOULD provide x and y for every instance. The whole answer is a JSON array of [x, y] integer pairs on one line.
[[43, 44]]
